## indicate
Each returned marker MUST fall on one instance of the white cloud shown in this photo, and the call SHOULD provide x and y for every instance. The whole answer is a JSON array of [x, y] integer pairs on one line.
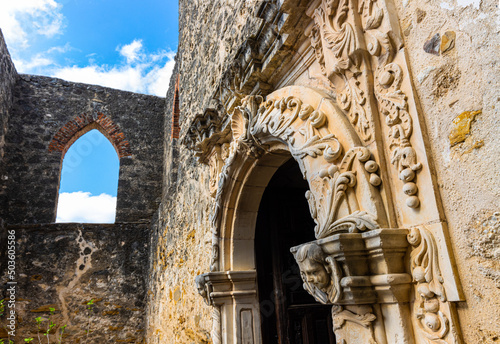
[[21, 19], [131, 51], [23, 22], [35, 63], [141, 73], [82, 207]]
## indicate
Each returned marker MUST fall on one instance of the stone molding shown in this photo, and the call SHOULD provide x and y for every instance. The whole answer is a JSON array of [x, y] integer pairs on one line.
[[233, 296]]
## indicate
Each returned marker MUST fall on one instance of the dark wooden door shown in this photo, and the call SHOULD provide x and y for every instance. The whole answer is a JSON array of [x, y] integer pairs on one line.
[[289, 314]]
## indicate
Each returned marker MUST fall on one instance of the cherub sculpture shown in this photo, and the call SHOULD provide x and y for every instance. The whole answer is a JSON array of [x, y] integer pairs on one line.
[[320, 274]]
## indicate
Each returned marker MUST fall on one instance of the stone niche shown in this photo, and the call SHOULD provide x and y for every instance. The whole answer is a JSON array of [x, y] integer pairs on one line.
[[342, 105]]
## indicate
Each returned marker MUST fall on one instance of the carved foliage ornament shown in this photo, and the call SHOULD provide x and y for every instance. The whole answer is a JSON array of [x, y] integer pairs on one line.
[[342, 53], [430, 293], [337, 50]]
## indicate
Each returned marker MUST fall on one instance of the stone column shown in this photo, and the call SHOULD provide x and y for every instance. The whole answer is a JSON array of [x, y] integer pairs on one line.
[[235, 315]]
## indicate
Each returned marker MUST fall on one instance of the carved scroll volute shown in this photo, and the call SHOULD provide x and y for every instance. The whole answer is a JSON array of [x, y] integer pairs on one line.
[[431, 312], [343, 182]]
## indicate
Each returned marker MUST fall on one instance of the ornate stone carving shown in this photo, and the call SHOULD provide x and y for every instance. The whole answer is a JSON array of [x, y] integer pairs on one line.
[[337, 47], [328, 188], [356, 260], [304, 130], [348, 325], [393, 104], [320, 274], [430, 293], [340, 51]]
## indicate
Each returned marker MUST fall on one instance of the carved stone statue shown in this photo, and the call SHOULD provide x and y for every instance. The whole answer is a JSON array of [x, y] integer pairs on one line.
[[320, 274]]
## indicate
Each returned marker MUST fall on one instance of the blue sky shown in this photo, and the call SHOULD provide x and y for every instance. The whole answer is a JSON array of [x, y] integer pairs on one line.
[[90, 164], [127, 44]]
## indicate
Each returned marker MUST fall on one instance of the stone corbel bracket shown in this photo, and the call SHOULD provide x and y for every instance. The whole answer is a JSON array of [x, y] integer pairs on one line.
[[385, 270], [364, 276], [370, 267]]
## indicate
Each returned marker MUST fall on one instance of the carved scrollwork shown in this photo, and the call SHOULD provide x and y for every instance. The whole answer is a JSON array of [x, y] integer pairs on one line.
[[337, 50], [275, 117], [393, 105], [320, 273], [328, 189], [430, 293]]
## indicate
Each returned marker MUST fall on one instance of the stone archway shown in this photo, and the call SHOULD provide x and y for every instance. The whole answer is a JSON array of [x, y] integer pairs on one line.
[[363, 259]]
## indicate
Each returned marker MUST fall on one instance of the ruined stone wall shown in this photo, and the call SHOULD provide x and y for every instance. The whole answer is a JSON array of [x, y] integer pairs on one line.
[[42, 106], [457, 80], [8, 77], [64, 266]]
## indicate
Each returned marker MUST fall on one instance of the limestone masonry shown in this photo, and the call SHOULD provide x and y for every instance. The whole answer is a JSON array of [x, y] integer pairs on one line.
[[320, 171]]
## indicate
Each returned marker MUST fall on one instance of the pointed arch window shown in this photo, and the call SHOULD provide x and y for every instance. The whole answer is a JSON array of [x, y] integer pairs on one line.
[[89, 180]]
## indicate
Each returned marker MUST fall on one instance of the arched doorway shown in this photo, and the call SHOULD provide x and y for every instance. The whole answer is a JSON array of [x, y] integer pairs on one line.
[[288, 313]]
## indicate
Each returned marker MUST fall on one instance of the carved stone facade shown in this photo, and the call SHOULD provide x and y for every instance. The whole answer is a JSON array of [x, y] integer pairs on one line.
[[382, 257], [330, 175]]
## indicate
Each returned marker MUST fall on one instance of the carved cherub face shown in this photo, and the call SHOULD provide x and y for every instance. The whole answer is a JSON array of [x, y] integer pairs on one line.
[[311, 258], [315, 273], [200, 285]]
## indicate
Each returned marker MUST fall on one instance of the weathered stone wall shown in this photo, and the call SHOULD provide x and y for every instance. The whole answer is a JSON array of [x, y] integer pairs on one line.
[[179, 247], [211, 33], [42, 106], [459, 79], [63, 266], [8, 77]]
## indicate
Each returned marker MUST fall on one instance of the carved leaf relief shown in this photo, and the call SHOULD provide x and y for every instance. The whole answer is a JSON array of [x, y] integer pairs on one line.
[[337, 50]]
